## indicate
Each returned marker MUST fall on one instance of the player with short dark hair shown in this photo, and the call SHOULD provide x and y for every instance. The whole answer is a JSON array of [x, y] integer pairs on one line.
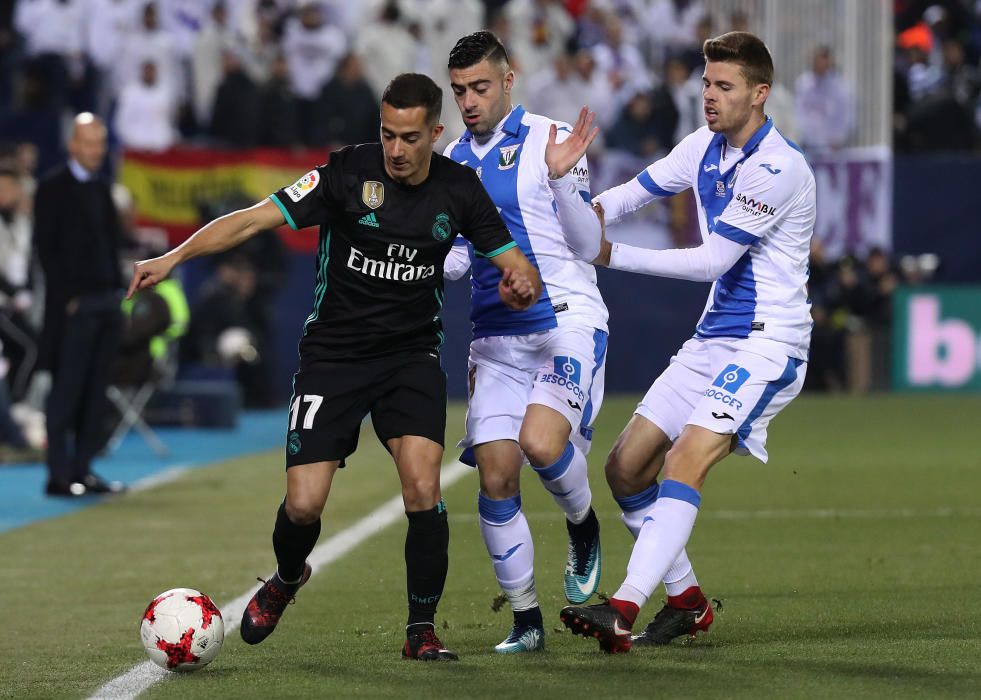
[[415, 90], [536, 377], [747, 359], [388, 214]]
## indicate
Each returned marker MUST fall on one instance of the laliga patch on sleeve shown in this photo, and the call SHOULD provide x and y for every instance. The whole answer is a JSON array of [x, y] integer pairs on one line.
[[304, 186]]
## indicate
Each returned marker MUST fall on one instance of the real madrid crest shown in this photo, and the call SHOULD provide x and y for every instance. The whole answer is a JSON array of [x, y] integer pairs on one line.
[[508, 157], [373, 193], [441, 227], [294, 445]]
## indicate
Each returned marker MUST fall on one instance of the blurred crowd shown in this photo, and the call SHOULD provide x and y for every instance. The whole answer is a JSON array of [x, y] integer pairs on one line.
[[937, 85], [283, 73]]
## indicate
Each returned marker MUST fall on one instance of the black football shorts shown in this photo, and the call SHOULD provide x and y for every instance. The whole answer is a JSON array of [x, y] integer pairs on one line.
[[405, 395]]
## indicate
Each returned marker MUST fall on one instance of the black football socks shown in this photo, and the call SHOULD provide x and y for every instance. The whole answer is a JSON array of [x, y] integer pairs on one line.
[[426, 561], [293, 544]]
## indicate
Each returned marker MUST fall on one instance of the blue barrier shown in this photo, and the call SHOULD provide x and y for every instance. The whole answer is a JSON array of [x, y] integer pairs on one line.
[[935, 199]]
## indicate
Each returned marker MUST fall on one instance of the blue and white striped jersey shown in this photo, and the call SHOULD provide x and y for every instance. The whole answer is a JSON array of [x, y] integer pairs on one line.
[[761, 196], [512, 167]]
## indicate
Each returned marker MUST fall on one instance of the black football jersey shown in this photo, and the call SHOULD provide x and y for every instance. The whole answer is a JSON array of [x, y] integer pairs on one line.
[[379, 271]]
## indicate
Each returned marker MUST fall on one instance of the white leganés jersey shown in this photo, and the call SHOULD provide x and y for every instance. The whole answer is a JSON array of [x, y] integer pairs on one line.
[[512, 167], [761, 196]]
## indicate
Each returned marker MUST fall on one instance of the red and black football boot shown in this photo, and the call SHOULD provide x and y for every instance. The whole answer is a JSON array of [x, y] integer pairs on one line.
[[425, 646], [266, 607], [686, 614], [603, 622]]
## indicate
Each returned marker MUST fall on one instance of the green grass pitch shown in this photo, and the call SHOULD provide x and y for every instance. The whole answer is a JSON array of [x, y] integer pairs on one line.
[[849, 566]]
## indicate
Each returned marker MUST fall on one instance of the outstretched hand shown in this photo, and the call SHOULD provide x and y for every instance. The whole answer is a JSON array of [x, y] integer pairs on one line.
[[147, 273], [561, 157], [516, 290]]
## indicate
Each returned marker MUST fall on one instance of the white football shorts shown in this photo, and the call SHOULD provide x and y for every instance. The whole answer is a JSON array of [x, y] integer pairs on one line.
[[562, 368], [727, 385]]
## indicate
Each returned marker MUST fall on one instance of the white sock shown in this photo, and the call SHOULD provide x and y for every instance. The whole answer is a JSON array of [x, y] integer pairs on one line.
[[508, 540], [635, 508], [568, 482], [680, 576], [661, 541], [522, 598]]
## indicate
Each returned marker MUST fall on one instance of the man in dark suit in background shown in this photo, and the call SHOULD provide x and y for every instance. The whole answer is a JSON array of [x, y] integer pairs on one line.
[[77, 236]]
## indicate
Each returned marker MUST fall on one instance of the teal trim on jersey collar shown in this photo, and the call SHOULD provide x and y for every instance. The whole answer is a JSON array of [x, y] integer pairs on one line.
[[496, 252], [286, 214]]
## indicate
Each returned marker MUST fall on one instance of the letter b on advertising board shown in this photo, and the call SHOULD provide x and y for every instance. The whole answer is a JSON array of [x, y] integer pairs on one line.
[[937, 338]]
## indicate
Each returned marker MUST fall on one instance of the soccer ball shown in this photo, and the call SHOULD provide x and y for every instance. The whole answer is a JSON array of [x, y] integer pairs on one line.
[[182, 630]]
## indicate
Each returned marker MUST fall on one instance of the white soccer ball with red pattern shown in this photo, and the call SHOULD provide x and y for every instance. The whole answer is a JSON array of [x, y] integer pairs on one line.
[[182, 630]]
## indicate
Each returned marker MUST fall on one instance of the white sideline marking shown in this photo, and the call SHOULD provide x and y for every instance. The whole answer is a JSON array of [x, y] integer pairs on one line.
[[142, 676], [160, 478]]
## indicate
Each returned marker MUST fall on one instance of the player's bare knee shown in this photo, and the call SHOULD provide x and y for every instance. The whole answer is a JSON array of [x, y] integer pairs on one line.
[[624, 482], [619, 476], [421, 493], [303, 509], [612, 469], [499, 484], [544, 434], [629, 470], [542, 449], [618, 471]]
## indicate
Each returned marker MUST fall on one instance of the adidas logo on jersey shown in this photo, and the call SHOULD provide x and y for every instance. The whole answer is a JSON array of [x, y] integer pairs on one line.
[[369, 219]]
